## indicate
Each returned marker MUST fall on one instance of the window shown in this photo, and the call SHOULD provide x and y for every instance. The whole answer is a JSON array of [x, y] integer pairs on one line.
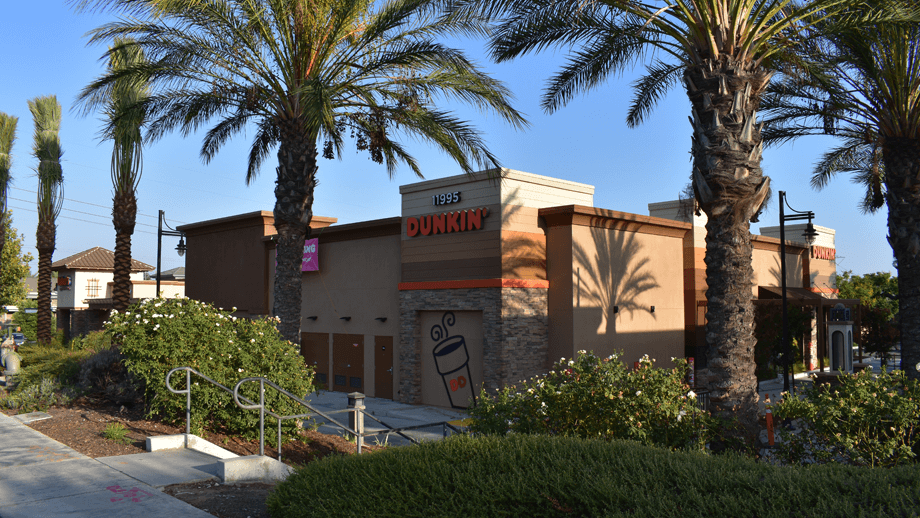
[[92, 288]]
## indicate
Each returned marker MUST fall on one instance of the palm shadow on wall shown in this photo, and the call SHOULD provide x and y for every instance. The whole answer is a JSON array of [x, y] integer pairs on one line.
[[618, 274], [523, 255]]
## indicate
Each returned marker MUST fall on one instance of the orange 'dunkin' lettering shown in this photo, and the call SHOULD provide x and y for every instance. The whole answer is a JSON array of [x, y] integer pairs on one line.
[[446, 222]]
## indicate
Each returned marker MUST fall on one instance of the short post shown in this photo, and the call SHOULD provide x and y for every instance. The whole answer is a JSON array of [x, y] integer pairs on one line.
[[356, 417]]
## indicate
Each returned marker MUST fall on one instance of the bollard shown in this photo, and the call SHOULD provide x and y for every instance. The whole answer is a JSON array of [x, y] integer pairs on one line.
[[356, 417], [769, 424]]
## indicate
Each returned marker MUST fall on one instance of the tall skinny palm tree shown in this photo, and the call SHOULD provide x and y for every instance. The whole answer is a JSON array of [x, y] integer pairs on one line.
[[46, 112], [725, 53], [7, 137], [124, 117], [865, 88], [303, 74]]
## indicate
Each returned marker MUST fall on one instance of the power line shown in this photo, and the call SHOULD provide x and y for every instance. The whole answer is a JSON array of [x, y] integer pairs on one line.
[[90, 204], [87, 213], [84, 220]]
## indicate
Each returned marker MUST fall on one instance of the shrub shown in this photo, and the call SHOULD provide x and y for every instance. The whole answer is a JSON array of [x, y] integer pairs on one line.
[[37, 396], [542, 476], [104, 372], [39, 362], [157, 335], [866, 420], [599, 398], [95, 340]]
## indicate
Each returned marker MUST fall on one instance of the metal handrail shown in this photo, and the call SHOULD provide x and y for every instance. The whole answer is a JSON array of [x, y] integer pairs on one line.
[[248, 404]]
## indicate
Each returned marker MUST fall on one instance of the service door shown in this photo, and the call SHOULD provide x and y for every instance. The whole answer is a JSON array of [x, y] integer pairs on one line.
[[315, 350], [383, 367], [348, 363]]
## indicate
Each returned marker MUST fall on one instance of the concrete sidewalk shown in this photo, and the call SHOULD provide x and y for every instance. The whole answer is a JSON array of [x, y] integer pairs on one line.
[[392, 413], [40, 477]]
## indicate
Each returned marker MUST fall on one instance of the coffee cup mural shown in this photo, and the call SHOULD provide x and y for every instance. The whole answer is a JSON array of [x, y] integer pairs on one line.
[[452, 360]]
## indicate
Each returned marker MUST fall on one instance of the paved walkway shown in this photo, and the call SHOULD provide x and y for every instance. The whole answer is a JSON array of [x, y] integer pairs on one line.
[[40, 477]]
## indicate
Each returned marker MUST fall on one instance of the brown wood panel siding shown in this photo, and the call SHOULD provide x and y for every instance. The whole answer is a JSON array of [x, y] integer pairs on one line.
[[463, 245], [483, 268], [365, 230]]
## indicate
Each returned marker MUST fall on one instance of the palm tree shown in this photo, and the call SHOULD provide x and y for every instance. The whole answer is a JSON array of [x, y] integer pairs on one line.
[[866, 90], [725, 53], [46, 112], [124, 117], [7, 137], [301, 73]]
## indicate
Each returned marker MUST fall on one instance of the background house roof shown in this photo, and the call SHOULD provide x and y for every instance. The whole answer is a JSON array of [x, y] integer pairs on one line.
[[175, 274], [97, 259]]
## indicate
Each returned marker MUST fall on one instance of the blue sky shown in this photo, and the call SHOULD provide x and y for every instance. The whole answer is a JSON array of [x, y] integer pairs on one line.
[[587, 141]]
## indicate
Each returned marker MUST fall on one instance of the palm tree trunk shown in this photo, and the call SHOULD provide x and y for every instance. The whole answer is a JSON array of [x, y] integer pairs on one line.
[[124, 215], [902, 178], [730, 187], [45, 237], [293, 211]]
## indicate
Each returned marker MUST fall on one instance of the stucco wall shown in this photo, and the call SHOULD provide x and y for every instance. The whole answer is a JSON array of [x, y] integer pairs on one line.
[[357, 278], [617, 277]]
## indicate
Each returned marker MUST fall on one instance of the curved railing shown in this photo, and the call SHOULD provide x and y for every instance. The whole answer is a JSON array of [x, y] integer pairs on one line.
[[356, 429]]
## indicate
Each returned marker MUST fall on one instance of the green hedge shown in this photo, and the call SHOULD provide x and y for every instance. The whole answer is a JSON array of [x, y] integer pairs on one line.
[[542, 476]]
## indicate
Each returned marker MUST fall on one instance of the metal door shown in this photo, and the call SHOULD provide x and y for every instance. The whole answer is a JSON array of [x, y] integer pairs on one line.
[[383, 367], [348, 363], [314, 347]]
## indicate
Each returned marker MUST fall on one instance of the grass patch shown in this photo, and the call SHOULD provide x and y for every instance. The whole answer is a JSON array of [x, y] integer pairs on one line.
[[543, 476], [116, 432]]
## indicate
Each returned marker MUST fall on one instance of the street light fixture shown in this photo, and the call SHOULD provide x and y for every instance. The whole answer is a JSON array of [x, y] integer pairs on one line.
[[180, 249], [810, 234]]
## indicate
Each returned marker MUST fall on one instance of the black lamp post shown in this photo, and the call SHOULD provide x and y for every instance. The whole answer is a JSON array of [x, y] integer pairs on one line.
[[170, 232], [810, 234]]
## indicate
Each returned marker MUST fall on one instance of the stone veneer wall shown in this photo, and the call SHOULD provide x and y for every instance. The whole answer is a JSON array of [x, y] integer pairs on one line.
[[85, 321], [514, 339]]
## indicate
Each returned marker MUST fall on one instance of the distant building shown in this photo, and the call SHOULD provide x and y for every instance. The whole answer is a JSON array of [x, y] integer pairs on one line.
[[84, 289]]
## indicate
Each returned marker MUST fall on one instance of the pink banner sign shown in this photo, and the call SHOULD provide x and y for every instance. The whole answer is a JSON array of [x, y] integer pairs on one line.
[[310, 256]]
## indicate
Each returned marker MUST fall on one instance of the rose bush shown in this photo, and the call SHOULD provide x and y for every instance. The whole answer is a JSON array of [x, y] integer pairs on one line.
[[157, 335], [592, 397], [866, 420]]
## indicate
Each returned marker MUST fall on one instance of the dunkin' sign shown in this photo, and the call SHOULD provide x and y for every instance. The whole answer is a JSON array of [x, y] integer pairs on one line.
[[446, 222], [821, 252]]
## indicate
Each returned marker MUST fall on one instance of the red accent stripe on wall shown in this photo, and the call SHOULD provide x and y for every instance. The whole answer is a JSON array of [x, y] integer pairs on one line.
[[824, 290], [474, 283]]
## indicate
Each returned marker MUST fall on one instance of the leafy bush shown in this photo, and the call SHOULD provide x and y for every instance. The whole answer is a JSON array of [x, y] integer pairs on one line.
[[95, 340], [866, 420], [39, 362], [542, 476], [158, 335], [37, 396], [104, 372], [599, 398]]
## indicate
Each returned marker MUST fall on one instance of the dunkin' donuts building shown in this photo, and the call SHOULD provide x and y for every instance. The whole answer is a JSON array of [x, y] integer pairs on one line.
[[482, 283]]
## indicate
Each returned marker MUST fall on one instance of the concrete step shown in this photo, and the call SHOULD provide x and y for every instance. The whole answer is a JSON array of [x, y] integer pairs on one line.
[[190, 452]]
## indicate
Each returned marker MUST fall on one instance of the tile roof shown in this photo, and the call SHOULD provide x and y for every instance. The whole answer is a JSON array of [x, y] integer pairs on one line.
[[96, 258]]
